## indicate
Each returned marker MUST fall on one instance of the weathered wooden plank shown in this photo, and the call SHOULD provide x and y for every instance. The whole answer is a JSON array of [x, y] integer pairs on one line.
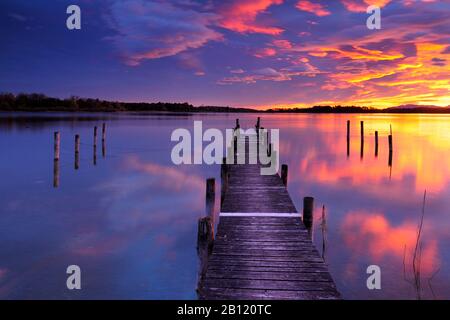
[[269, 284], [249, 294]]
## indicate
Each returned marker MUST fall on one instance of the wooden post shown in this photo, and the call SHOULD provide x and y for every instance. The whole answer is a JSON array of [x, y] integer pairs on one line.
[[237, 124], [308, 211], [284, 174], [77, 151], [348, 138], [235, 143], [269, 150], [55, 173], [210, 198], [95, 146], [104, 132], [376, 143], [205, 242], [390, 150], [390, 143], [57, 142], [95, 135], [324, 234], [362, 139], [224, 180], [56, 154]]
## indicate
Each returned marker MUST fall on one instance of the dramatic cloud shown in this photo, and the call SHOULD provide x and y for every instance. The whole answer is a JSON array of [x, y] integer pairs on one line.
[[241, 15], [316, 8], [362, 5], [151, 30]]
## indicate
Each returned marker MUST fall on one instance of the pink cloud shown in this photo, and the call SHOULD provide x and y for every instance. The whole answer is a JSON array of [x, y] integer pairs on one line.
[[362, 5], [265, 52], [152, 30], [315, 8], [282, 44], [241, 16]]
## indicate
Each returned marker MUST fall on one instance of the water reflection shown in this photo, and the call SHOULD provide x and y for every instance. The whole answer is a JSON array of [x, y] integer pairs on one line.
[[130, 222]]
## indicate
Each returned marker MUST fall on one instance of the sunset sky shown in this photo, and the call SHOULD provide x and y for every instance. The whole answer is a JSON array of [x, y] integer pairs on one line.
[[251, 53]]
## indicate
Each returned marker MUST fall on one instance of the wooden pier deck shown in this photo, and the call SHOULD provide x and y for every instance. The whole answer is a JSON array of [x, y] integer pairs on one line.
[[262, 249]]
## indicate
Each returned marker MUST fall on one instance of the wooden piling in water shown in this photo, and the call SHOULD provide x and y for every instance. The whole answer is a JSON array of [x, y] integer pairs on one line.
[[95, 147], [55, 173], [308, 213], [77, 151], [237, 124], [362, 139], [224, 179], [56, 155], [269, 150], [56, 147], [284, 174], [103, 131], [348, 138], [324, 234], [376, 143], [204, 231], [210, 198]]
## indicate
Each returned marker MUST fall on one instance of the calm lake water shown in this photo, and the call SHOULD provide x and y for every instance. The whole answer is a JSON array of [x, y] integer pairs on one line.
[[130, 221]]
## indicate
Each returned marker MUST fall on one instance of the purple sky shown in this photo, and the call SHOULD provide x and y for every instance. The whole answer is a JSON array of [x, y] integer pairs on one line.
[[255, 53]]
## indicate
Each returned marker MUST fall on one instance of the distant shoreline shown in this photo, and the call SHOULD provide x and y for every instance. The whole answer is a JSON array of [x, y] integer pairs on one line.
[[29, 103]]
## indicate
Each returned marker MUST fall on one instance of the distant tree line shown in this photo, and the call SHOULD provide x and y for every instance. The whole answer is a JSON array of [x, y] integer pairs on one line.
[[39, 103]]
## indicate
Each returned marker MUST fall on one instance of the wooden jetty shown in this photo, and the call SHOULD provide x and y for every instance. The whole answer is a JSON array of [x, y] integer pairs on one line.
[[262, 249]]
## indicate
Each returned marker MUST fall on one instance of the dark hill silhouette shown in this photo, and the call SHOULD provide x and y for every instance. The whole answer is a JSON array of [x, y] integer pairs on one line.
[[40, 103]]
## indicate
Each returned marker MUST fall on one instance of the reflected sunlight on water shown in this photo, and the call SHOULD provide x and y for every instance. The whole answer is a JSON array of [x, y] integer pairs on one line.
[[130, 221]]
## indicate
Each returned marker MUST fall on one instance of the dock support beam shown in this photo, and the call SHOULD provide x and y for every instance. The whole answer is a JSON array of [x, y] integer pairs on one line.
[[284, 174], [95, 146], [56, 154], [376, 143], [308, 213], [224, 180], [362, 139], [348, 138], [210, 198], [77, 151]]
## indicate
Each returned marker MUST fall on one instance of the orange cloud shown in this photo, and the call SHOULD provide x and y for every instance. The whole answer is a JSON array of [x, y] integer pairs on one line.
[[362, 5], [316, 8], [241, 16]]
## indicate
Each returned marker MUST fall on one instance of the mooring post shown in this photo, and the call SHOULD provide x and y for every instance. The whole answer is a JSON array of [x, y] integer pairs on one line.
[[57, 142], [95, 146], [390, 140], [95, 135], [308, 211], [269, 149], [210, 198], [103, 131], [376, 143], [257, 131], [224, 180], [362, 139], [104, 140], [205, 233], [56, 153], [284, 174], [348, 138], [55, 173], [237, 124], [77, 151]]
